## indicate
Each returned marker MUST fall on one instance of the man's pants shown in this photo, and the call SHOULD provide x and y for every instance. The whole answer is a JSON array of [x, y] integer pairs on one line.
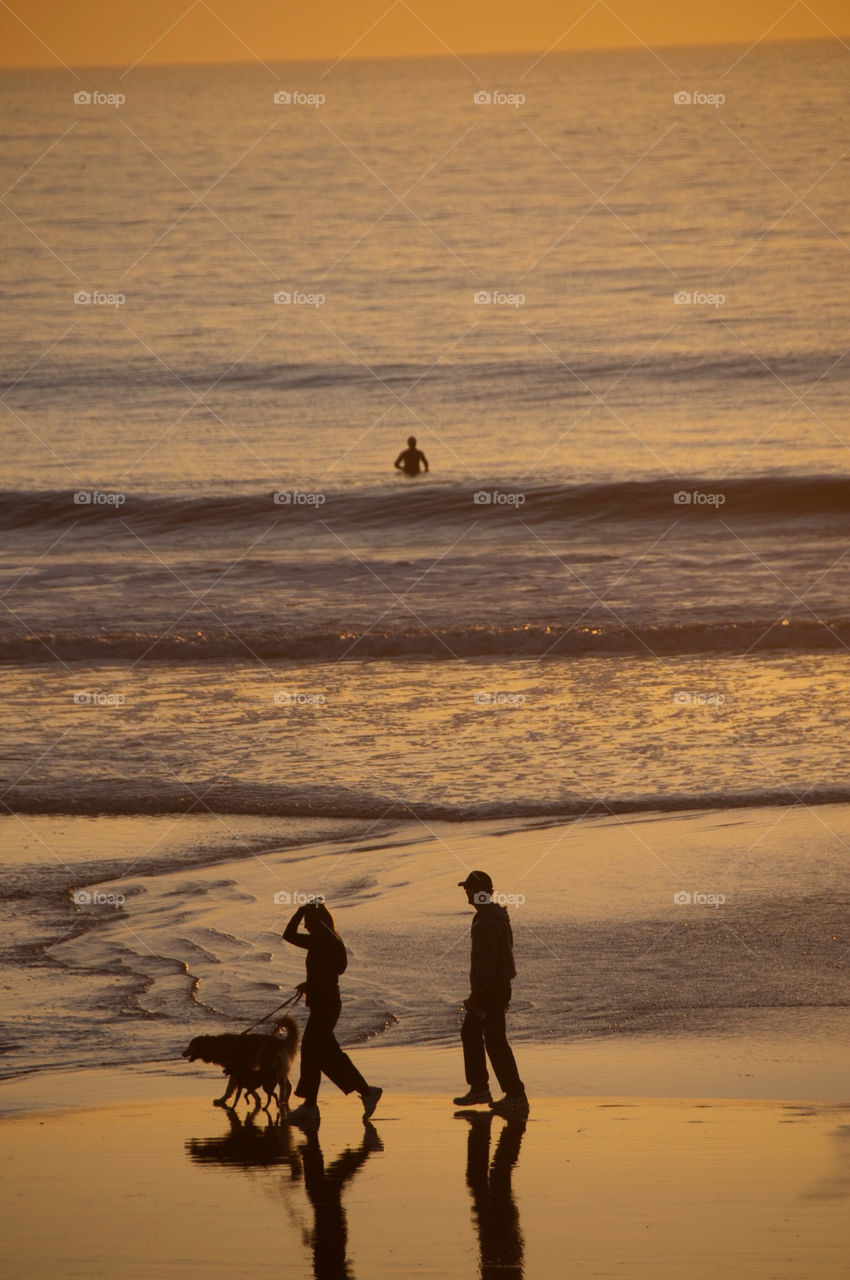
[[488, 1033], [321, 1052]]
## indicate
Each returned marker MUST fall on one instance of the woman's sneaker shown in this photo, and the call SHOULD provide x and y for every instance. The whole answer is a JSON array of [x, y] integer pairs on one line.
[[370, 1101], [304, 1115], [474, 1098]]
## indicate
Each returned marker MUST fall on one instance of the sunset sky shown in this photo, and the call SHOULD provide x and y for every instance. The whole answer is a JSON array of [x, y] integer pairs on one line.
[[110, 33]]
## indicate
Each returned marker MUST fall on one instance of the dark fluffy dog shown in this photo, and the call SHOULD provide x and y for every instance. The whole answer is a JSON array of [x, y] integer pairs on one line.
[[251, 1062]]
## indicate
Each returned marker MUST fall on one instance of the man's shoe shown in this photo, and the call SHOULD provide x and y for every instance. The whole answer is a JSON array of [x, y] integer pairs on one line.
[[512, 1105], [304, 1116], [370, 1101], [474, 1098], [478, 1119]]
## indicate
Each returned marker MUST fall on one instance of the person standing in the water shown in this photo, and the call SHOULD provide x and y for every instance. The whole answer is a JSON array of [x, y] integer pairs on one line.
[[411, 458]]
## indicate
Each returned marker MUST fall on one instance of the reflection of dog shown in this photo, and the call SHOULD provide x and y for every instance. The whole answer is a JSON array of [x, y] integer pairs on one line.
[[249, 1146], [251, 1063]]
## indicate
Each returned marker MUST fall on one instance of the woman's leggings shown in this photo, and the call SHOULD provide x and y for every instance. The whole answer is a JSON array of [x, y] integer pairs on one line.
[[321, 1052]]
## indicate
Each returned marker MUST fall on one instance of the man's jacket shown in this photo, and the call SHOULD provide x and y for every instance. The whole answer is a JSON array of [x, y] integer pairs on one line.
[[492, 967]]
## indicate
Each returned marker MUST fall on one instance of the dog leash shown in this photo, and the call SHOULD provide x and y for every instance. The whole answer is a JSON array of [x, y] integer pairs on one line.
[[292, 1000]]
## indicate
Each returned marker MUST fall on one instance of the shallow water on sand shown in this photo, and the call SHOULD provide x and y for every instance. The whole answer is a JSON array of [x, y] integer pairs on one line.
[[713, 922]]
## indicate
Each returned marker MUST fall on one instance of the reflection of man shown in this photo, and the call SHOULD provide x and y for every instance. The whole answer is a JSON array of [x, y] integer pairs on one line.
[[324, 1189], [496, 1217], [490, 975]]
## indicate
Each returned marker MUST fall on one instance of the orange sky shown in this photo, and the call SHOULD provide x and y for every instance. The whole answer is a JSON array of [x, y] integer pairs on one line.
[[123, 32]]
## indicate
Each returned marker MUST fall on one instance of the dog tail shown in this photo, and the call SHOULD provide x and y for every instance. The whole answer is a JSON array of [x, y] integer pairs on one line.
[[290, 1026]]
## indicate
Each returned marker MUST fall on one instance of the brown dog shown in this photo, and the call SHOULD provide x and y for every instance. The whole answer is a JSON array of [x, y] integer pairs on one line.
[[251, 1062]]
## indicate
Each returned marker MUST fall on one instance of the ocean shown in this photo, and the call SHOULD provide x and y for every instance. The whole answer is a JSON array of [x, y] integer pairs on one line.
[[610, 308]]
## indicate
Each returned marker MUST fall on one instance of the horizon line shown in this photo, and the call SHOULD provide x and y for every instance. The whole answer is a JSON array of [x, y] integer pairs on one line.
[[640, 47]]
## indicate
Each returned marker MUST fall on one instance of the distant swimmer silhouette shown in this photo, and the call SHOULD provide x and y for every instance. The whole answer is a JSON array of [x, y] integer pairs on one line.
[[409, 459], [491, 973]]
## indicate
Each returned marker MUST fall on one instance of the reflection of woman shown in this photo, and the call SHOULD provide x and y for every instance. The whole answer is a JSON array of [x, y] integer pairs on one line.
[[326, 960], [324, 1187]]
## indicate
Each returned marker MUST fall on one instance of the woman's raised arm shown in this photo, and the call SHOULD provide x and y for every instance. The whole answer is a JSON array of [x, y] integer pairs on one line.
[[291, 934]]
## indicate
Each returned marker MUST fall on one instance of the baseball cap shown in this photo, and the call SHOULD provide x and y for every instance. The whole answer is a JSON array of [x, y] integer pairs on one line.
[[477, 880]]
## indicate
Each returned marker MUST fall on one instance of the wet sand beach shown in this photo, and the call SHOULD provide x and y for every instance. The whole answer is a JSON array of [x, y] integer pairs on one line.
[[162, 1184]]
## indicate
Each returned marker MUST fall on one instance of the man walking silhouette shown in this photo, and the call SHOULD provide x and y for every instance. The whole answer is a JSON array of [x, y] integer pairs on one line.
[[483, 1033]]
